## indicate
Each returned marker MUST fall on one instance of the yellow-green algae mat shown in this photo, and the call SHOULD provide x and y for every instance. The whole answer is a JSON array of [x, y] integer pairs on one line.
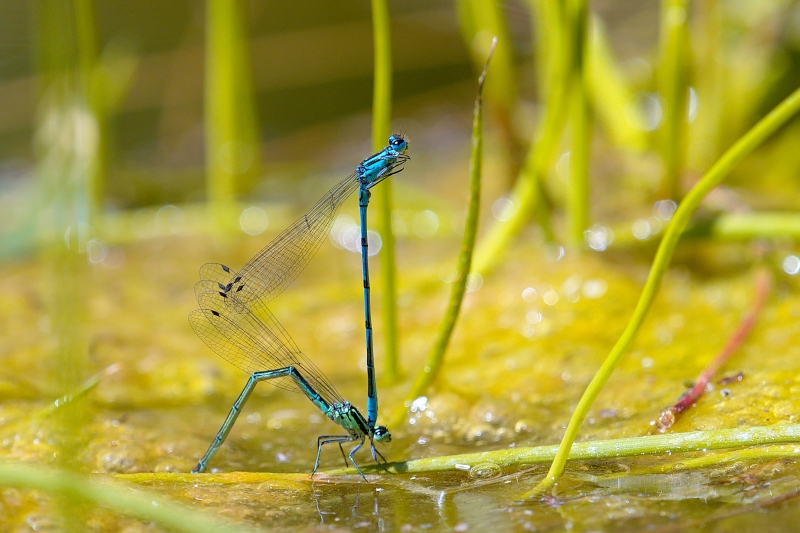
[[528, 342]]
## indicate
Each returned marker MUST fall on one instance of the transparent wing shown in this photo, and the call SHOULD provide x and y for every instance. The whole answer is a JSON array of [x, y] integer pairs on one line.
[[251, 343], [277, 265]]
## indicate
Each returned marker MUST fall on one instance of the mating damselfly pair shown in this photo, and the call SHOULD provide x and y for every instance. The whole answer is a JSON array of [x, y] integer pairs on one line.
[[235, 322]]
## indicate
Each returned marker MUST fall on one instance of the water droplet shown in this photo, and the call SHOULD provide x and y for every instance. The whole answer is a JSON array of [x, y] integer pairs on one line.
[[694, 104], [562, 167], [594, 288], [474, 282], [598, 237], [420, 404], [652, 113], [533, 317], [550, 297], [96, 251]]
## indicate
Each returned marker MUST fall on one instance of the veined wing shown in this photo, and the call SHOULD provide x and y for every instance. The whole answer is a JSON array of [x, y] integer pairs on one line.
[[228, 300], [277, 265], [252, 344]]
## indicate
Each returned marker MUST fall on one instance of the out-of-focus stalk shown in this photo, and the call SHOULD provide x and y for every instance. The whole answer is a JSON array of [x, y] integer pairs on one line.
[[611, 97], [232, 151], [480, 21], [66, 145], [580, 115], [528, 195], [381, 128], [674, 90]]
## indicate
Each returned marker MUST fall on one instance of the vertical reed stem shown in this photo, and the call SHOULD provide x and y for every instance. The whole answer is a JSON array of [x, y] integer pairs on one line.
[[232, 150], [578, 187], [673, 86], [381, 128]]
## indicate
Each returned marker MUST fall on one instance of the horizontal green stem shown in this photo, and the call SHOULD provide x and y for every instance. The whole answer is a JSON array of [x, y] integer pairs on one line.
[[694, 441], [724, 227], [736, 226], [140, 504], [746, 456]]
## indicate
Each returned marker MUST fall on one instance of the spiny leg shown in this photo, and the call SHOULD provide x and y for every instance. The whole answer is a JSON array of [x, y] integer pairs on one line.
[[328, 439]]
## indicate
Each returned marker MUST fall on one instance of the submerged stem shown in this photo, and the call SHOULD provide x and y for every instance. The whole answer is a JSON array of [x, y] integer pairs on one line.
[[668, 416]]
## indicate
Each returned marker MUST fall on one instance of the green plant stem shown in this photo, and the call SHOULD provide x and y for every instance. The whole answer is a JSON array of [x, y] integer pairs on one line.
[[85, 388], [673, 86], [714, 124], [86, 36], [230, 125], [715, 460], [578, 187], [381, 128], [67, 148], [528, 195], [479, 22], [693, 441], [724, 227], [746, 144], [459, 286], [143, 505], [738, 226], [547, 17], [610, 94]]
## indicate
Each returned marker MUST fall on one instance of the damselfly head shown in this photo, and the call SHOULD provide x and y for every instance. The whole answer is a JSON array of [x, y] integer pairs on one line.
[[381, 434], [398, 142]]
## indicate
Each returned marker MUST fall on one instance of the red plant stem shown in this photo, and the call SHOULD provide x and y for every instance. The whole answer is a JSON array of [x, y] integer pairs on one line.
[[668, 416]]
